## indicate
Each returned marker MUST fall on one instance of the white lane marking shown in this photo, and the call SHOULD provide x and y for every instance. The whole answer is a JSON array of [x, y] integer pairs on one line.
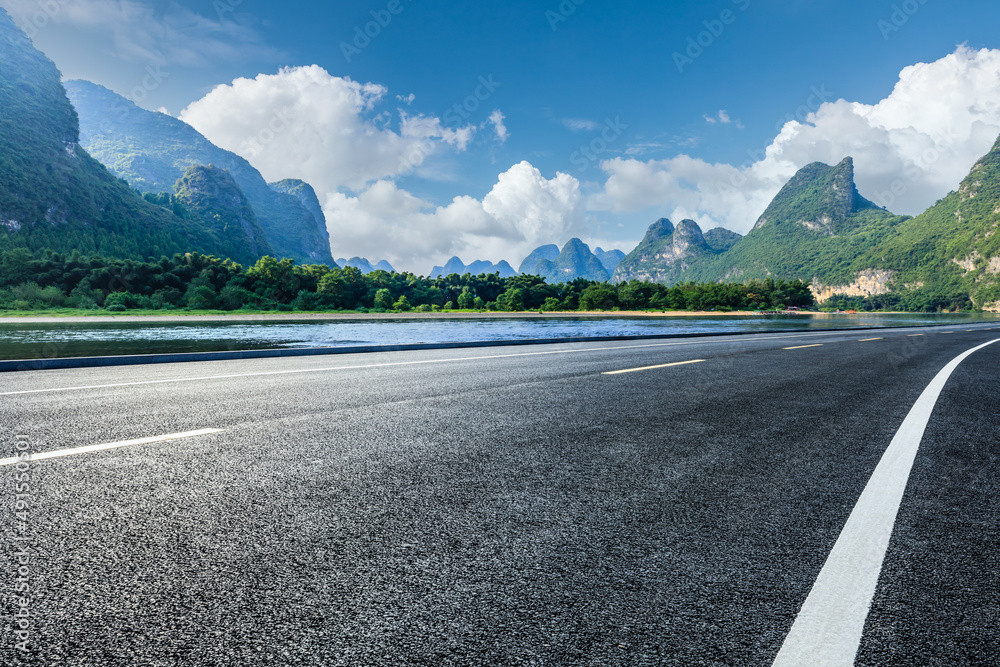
[[827, 632], [40, 456], [411, 363], [915, 335], [868, 340], [802, 347], [653, 368]]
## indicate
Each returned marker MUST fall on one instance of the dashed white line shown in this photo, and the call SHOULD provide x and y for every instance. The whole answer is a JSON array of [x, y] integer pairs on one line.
[[802, 347], [828, 629], [40, 456], [653, 368]]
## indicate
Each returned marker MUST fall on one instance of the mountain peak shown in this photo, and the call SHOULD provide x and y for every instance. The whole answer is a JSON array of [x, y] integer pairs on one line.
[[819, 197], [660, 229]]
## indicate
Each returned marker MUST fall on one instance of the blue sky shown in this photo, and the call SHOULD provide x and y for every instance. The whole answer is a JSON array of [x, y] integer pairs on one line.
[[619, 97]]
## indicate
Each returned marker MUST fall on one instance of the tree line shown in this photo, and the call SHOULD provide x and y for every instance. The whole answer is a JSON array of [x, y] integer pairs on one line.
[[190, 281]]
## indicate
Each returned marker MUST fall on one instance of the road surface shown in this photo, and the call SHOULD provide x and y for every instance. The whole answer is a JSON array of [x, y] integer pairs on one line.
[[515, 506]]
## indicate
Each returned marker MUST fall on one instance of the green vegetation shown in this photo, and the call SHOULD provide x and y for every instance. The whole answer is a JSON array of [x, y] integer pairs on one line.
[[193, 282], [816, 229], [820, 229], [953, 248], [670, 255], [795, 251], [152, 150], [53, 195]]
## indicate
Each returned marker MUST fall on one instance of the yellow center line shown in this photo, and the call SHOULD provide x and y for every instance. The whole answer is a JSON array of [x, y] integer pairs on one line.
[[866, 340], [650, 368], [801, 347]]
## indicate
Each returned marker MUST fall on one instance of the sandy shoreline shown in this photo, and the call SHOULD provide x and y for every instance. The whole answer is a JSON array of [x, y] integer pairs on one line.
[[333, 317]]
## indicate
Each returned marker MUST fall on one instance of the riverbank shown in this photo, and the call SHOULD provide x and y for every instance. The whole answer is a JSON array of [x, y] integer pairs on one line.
[[223, 316]]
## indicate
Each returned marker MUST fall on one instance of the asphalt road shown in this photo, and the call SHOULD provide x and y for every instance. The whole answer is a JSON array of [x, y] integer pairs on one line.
[[510, 506]]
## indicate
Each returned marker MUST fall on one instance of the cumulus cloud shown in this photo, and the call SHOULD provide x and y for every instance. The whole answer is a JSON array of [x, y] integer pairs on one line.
[[305, 123], [151, 32], [910, 149], [521, 212]]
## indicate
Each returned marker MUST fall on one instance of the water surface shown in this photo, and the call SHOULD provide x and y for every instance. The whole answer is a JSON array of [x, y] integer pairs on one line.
[[67, 339]]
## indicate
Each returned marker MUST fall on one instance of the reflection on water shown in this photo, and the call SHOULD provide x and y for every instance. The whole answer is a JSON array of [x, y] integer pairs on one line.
[[61, 339]]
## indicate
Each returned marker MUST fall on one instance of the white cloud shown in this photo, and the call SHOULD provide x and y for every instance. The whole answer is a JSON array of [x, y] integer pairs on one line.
[[721, 117], [580, 124], [305, 123], [918, 143], [144, 31], [523, 211], [406, 98], [496, 119]]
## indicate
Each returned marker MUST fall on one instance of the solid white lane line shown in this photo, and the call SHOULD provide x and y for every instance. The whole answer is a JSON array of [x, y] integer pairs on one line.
[[828, 629], [802, 347], [408, 363], [652, 368], [40, 456]]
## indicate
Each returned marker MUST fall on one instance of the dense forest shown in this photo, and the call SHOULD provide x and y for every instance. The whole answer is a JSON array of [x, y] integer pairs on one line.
[[50, 280]]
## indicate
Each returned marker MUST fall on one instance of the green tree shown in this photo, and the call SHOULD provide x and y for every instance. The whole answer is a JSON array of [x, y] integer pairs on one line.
[[383, 299], [466, 300], [599, 296]]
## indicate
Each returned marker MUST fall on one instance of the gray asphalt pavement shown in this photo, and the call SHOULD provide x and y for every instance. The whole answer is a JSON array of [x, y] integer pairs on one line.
[[509, 506]]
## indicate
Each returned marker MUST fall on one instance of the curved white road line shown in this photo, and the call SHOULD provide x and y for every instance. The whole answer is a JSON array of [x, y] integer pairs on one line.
[[828, 629]]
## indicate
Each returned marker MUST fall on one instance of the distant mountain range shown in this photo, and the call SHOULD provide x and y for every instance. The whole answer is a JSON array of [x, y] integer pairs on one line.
[[200, 198], [457, 266], [55, 196], [820, 229], [574, 261], [151, 151], [364, 265]]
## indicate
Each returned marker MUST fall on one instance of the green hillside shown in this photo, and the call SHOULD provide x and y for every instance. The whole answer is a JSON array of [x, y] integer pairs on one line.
[[814, 230], [52, 193], [953, 247], [669, 254], [152, 150], [212, 196]]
